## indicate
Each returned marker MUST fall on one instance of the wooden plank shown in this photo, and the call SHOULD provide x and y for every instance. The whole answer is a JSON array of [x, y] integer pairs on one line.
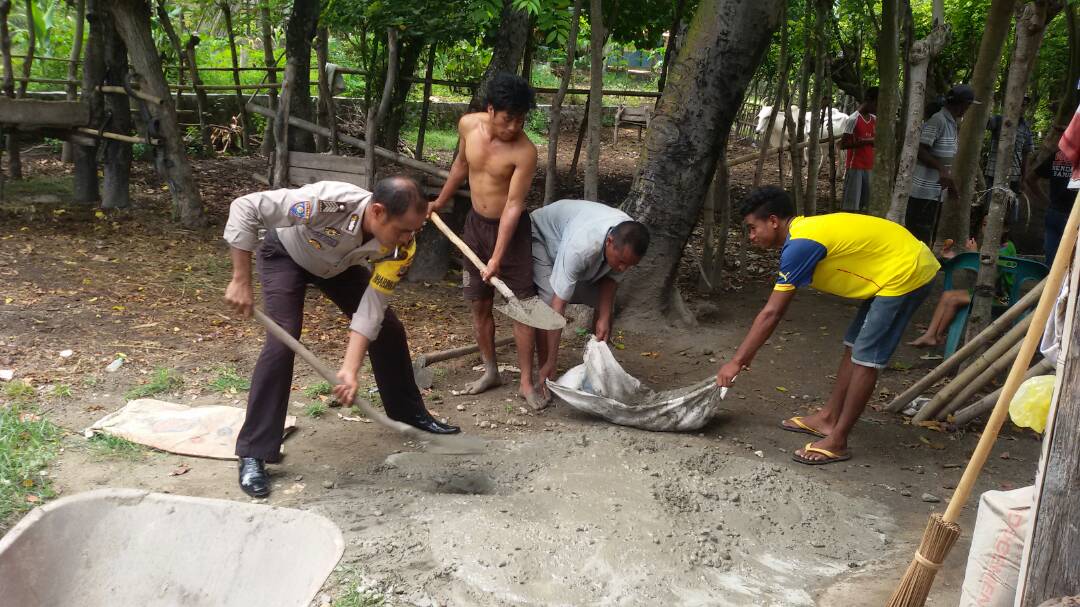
[[303, 176], [327, 162], [1046, 570], [43, 113]]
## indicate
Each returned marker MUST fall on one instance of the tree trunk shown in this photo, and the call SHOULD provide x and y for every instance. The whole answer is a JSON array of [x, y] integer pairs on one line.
[[323, 113], [116, 190], [832, 140], [426, 105], [371, 129], [797, 125], [14, 156], [551, 176], [5, 50], [202, 101], [271, 75], [1030, 27], [85, 175], [530, 50], [918, 61], [506, 52], [705, 88], [596, 100], [814, 149], [714, 232], [132, 19], [673, 34], [178, 48], [303, 21], [955, 220], [885, 137], [409, 53], [73, 66], [245, 133], [1049, 568], [781, 93], [1068, 98]]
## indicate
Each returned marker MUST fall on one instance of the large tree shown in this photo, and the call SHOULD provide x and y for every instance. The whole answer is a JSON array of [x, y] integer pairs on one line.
[[299, 32], [703, 93]]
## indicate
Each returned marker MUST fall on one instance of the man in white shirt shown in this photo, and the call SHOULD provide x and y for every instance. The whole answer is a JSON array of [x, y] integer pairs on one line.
[[325, 234]]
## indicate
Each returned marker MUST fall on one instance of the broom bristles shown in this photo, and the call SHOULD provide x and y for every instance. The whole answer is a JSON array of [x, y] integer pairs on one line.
[[937, 540]]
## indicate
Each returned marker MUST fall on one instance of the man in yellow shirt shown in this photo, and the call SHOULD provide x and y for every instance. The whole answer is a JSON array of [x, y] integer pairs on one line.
[[845, 254]]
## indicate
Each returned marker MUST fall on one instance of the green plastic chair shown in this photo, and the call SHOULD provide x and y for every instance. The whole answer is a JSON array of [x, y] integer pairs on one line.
[[1021, 270]]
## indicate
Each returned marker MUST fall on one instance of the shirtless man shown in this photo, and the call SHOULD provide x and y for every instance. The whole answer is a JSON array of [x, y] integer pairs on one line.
[[499, 160]]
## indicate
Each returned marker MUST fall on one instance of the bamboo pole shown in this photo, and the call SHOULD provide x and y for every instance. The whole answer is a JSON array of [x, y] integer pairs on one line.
[[970, 348], [115, 136], [969, 413], [979, 365], [968, 390], [119, 90]]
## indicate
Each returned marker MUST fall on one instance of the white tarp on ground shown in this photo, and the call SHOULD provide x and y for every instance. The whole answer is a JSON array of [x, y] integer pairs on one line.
[[208, 431], [601, 387]]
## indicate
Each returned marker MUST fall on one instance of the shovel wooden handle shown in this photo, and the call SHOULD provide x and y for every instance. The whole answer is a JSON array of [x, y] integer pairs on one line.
[[460, 244]]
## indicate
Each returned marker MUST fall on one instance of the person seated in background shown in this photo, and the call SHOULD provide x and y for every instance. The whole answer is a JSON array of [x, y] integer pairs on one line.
[[954, 300]]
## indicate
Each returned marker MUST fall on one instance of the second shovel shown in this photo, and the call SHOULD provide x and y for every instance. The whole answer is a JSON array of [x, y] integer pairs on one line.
[[532, 311]]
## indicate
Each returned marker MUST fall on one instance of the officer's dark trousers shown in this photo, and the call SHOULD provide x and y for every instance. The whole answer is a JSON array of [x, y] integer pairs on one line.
[[283, 286]]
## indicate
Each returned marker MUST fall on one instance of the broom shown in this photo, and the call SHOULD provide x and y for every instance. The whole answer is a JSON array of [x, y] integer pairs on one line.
[[942, 530]]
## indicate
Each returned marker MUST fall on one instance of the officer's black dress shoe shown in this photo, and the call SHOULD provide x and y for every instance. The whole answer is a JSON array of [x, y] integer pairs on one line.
[[253, 477], [425, 422]]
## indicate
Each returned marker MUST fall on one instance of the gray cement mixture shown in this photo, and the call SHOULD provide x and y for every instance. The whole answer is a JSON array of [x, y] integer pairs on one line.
[[610, 517]]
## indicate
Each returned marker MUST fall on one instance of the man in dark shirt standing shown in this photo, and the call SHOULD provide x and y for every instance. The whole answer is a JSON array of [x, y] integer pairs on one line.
[[1058, 170]]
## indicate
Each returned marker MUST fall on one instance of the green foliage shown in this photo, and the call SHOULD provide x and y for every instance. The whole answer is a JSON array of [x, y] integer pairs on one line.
[[228, 381], [320, 389], [163, 380], [358, 598], [18, 390], [107, 446], [315, 410], [62, 391], [27, 444]]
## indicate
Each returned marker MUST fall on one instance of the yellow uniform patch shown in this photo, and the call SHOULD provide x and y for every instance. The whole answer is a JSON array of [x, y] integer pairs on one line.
[[389, 272]]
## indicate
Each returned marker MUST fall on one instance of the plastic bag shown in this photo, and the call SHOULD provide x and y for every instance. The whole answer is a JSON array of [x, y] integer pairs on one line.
[[599, 386], [1031, 405]]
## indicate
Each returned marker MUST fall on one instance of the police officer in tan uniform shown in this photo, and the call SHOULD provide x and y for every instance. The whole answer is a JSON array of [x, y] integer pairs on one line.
[[325, 234]]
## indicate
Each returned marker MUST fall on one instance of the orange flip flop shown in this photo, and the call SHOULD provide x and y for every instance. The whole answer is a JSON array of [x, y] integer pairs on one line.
[[802, 427], [830, 457]]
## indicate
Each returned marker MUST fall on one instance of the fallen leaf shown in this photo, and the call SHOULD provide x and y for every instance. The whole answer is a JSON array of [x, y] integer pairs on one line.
[[781, 389], [181, 469], [931, 444]]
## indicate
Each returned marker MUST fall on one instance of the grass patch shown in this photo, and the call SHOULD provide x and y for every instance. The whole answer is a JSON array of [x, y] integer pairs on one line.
[[315, 410], [19, 390], [62, 391], [228, 381], [163, 380], [27, 444], [59, 186], [320, 389], [357, 598], [107, 446]]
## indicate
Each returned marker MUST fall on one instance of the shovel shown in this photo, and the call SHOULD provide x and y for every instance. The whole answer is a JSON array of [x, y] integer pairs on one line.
[[532, 311], [451, 444], [422, 372]]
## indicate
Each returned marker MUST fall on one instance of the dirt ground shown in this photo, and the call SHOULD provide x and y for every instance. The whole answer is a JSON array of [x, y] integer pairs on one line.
[[562, 509]]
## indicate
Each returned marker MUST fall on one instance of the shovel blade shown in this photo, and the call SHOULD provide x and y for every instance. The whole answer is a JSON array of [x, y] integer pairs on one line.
[[533, 312], [424, 377]]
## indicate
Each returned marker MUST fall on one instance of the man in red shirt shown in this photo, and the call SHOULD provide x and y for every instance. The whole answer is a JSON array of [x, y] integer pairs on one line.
[[858, 140]]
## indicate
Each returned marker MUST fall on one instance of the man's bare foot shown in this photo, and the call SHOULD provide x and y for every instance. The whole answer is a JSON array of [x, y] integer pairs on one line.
[[489, 380], [817, 421], [923, 341], [534, 398]]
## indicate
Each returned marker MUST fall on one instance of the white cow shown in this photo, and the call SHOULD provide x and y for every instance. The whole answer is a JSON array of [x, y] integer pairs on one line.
[[775, 136]]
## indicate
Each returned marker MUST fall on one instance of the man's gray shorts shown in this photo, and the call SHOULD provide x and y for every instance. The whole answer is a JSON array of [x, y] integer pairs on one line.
[[856, 190], [584, 293]]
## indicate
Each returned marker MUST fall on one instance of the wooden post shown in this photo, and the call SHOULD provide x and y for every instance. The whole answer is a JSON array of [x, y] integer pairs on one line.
[[9, 82], [551, 175], [117, 170], [271, 75], [244, 131], [426, 105], [595, 107], [1050, 568], [580, 136], [279, 173], [322, 112], [202, 102], [73, 66], [85, 175]]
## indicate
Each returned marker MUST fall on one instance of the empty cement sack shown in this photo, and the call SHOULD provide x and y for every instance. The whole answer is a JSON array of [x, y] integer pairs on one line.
[[993, 566], [208, 431], [599, 386]]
